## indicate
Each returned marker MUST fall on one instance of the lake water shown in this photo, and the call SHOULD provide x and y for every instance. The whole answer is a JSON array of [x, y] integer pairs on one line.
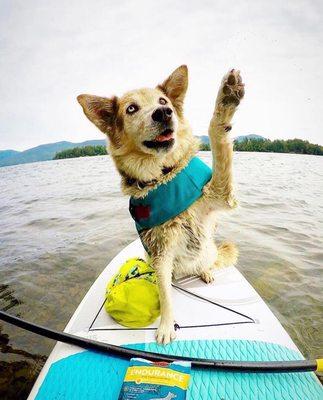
[[62, 221]]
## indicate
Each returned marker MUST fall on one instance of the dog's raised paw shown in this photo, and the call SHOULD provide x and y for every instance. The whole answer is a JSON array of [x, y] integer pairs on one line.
[[165, 333], [232, 88], [207, 276], [229, 96]]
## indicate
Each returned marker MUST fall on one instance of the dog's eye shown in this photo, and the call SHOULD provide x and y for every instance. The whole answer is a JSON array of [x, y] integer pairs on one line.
[[162, 101], [132, 109]]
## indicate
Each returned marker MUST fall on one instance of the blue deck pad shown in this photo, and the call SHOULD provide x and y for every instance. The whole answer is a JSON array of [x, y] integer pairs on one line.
[[90, 375]]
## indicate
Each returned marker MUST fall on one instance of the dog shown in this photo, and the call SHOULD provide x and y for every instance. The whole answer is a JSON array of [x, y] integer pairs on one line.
[[151, 143]]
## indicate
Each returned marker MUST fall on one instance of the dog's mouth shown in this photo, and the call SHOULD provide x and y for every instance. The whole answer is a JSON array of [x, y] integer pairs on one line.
[[164, 140], [166, 135]]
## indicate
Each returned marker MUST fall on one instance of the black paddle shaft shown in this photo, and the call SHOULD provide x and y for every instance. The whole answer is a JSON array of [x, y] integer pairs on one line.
[[123, 352]]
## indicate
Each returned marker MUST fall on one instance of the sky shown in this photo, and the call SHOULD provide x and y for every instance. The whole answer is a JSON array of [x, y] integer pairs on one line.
[[51, 51]]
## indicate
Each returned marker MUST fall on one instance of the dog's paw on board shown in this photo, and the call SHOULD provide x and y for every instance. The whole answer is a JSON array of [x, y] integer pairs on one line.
[[165, 333], [207, 276]]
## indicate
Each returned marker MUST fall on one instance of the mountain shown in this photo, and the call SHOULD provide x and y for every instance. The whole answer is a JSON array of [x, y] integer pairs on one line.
[[205, 139], [7, 153], [43, 152], [246, 137]]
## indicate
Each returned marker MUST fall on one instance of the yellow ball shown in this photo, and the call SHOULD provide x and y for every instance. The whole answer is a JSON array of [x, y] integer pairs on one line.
[[132, 297]]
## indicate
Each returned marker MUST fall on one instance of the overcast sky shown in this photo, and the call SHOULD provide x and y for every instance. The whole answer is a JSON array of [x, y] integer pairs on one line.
[[51, 51]]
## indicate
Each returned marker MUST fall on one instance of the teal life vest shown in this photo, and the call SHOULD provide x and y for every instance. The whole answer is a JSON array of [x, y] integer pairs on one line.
[[171, 198]]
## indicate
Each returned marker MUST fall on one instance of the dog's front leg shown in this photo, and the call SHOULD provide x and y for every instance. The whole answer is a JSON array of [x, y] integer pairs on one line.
[[230, 93], [164, 269]]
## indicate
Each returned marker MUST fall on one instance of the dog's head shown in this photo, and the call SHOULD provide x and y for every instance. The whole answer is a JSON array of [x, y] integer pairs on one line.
[[144, 120]]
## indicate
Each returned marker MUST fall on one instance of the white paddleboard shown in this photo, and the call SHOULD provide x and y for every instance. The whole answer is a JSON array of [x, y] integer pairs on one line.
[[244, 329]]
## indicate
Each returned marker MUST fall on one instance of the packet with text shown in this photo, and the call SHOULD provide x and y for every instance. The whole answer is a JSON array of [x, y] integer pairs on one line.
[[146, 380]]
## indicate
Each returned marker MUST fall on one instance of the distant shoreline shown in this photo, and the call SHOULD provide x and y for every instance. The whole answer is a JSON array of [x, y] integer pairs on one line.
[[49, 151], [71, 158], [85, 151], [291, 146]]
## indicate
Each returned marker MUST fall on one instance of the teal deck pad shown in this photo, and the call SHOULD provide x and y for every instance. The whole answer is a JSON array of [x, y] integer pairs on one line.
[[90, 375]]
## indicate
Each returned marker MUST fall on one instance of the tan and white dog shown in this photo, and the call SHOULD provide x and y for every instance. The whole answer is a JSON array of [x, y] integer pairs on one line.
[[150, 141]]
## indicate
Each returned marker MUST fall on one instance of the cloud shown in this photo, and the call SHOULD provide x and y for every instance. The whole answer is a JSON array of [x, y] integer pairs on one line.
[[51, 51]]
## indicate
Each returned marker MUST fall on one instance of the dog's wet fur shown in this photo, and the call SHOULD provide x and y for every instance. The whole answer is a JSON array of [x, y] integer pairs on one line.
[[148, 135]]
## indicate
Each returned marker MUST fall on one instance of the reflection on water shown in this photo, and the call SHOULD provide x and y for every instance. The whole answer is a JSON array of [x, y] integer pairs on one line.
[[62, 221]]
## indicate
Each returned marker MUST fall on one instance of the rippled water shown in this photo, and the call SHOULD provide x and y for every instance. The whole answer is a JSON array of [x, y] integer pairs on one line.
[[62, 221]]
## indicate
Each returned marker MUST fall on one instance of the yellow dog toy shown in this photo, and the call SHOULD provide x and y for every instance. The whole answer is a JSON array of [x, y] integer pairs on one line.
[[132, 297]]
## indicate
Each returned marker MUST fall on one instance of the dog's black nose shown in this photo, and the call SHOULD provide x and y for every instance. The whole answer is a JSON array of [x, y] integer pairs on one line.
[[162, 114]]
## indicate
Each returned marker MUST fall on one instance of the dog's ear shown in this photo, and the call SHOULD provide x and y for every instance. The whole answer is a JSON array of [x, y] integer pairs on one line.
[[175, 87], [100, 110]]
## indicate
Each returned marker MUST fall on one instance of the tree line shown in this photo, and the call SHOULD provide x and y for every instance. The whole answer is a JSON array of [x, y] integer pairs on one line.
[[297, 146], [85, 151]]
